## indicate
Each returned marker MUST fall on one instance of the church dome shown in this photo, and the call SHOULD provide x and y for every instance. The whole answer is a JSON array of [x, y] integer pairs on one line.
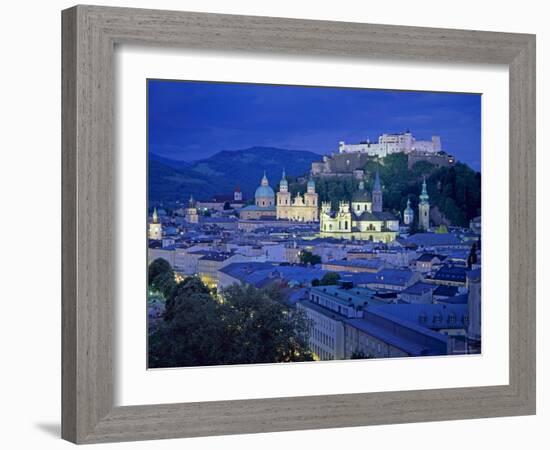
[[361, 195], [264, 191]]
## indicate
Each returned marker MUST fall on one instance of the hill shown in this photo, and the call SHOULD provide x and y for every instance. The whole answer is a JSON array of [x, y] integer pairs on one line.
[[455, 192], [223, 171], [173, 163]]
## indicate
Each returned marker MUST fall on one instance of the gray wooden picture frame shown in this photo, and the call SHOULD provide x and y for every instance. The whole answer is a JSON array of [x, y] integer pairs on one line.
[[90, 34]]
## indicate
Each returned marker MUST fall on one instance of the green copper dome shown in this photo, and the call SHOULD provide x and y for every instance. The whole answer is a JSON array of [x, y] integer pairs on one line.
[[264, 190]]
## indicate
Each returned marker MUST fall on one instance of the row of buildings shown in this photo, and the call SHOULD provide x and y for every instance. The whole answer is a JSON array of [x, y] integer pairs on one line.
[[363, 218], [397, 294], [410, 297]]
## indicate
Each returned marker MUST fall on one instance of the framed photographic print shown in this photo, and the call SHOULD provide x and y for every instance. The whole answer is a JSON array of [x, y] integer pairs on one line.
[[277, 224]]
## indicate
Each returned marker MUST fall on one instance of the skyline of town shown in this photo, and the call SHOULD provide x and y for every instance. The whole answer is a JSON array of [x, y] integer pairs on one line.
[[191, 120], [371, 251]]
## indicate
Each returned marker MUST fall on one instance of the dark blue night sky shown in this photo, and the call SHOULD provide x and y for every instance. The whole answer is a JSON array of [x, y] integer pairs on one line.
[[194, 120]]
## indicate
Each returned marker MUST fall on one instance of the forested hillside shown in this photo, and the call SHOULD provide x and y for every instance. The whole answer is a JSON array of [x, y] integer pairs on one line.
[[455, 192]]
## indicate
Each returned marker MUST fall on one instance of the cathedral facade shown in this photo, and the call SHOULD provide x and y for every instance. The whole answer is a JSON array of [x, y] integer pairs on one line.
[[301, 208], [364, 219]]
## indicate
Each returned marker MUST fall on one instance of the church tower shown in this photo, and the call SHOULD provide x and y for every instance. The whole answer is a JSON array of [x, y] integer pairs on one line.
[[265, 197], [344, 217], [237, 195], [377, 194], [361, 201], [311, 200], [408, 214], [424, 208], [283, 198], [155, 227], [191, 214]]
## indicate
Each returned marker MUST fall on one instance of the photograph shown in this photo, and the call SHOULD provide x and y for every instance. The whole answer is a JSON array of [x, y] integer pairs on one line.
[[309, 223]]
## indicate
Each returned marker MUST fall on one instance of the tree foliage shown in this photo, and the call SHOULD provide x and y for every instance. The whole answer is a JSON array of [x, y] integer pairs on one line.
[[455, 190], [245, 325], [306, 257], [329, 278], [161, 277]]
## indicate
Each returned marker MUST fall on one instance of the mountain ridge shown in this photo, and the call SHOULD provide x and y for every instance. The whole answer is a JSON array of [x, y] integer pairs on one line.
[[171, 181]]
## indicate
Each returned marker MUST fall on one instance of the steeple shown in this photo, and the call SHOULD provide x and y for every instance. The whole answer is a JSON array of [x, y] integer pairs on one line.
[[310, 185], [424, 208], [155, 227], [283, 185], [377, 194], [265, 182], [377, 187], [424, 197]]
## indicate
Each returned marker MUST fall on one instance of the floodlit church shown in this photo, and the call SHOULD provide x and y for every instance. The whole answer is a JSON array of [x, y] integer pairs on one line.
[[155, 227], [303, 208], [363, 219], [268, 206], [264, 203]]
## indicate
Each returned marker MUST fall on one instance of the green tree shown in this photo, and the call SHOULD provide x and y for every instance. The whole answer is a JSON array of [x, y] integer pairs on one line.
[[193, 336], [306, 257], [161, 277], [441, 229], [157, 267], [186, 288], [329, 278], [262, 328], [165, 283], [247, 325]]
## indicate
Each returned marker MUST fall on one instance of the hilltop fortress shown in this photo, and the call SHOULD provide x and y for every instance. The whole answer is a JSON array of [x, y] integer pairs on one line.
[[362, 218], [351, 158]]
